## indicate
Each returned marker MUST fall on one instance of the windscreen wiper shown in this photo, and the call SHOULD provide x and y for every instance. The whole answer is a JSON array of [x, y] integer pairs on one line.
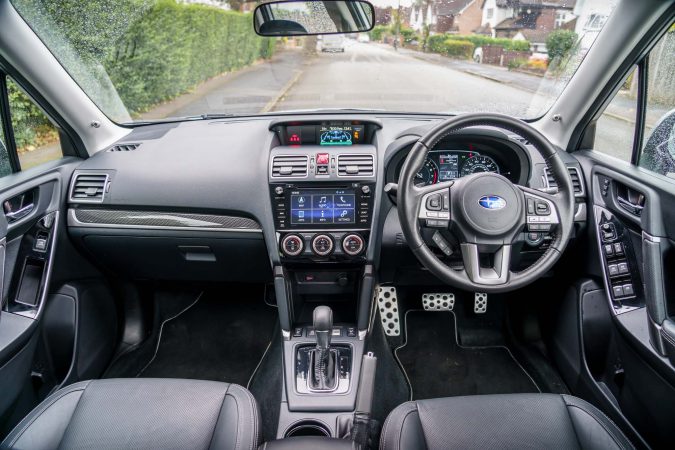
[[182, 119]]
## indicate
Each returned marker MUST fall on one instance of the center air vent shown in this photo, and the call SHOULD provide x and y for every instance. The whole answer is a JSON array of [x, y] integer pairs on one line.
[[124, 147], [576, 180], [89, 187], [289, 166], [355, 165]]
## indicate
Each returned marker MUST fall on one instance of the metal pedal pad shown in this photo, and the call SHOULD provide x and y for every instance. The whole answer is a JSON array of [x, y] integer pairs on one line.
[[438, 302], [480, 302], [387, 302]]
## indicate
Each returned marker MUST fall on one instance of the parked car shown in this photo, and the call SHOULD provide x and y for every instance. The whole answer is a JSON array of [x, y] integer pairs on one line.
[[332, 43]]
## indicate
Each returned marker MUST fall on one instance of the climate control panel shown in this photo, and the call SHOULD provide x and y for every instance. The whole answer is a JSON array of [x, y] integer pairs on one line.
[[323, 245]]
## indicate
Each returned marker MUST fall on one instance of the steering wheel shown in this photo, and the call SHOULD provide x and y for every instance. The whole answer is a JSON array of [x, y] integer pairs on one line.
[[485, 211]]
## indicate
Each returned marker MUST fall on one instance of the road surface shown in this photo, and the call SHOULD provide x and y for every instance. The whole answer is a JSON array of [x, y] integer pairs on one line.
[[372, 76]]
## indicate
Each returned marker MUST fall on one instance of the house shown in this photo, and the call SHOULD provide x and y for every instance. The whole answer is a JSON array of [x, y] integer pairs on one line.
[[532, 20], [447, 16]]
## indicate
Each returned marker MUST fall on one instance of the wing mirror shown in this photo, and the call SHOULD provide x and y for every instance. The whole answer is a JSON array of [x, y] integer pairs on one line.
[[304, 18]]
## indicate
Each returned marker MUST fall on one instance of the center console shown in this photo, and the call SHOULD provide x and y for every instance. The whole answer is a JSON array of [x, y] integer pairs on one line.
[[322, 185]]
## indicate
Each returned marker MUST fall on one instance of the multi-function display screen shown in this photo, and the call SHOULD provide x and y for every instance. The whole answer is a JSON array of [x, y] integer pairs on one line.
[[336, 134], [319, 206]]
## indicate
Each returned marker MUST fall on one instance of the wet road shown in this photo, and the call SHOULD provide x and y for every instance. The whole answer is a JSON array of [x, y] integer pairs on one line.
[[374, 77]]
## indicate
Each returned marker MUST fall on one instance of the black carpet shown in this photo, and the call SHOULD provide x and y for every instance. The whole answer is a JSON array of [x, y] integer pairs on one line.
[[219, 338], [266, 387], [437, 367]]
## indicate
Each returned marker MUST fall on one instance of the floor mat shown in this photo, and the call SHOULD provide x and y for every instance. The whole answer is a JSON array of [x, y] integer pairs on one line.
[[437, 366], [217, 338]]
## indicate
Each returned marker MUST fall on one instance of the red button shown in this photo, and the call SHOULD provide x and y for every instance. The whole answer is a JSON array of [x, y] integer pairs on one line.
[[322, 158]]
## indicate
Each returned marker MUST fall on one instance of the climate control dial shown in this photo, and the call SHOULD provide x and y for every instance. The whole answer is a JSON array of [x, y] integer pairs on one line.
[[353, 244], [322, 245], [292, 245]]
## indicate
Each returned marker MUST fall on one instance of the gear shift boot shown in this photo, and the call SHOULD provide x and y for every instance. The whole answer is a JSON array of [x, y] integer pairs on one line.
[[323, 370]]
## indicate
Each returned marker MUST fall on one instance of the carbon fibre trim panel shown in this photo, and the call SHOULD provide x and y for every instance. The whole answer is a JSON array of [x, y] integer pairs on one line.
[[82, 217]]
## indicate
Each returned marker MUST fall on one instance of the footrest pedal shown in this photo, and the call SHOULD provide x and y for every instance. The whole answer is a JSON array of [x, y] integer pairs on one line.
[[387, 303]]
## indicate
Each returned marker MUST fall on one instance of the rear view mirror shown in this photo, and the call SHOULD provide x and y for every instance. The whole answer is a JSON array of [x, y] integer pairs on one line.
[[303, 18]]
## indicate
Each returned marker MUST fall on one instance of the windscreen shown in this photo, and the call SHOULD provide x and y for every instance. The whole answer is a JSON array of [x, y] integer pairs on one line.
[[141, 60]]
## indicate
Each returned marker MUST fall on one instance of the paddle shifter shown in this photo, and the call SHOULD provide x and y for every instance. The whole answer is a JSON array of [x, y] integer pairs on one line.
[[323, 365]]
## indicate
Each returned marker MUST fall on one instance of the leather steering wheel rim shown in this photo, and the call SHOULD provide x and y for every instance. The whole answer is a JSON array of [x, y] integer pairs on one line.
[[408, 200]]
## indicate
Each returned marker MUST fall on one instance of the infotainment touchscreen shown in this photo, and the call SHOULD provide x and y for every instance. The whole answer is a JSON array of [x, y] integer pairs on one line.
[[319, 206]]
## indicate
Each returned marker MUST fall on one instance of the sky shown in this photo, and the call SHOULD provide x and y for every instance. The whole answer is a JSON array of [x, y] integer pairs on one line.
[[394, 3]]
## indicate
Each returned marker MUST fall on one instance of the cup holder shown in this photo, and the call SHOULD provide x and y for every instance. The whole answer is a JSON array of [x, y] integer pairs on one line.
[[308, 428]]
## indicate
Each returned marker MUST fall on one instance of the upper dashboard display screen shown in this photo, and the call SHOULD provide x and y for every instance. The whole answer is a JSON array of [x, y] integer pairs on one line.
[[336, 134]]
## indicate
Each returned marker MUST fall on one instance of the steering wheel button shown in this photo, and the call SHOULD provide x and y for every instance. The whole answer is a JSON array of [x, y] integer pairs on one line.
[[444, 215], [446, 201], [530, 206], [434, 202], [542, 208], [432, 214]]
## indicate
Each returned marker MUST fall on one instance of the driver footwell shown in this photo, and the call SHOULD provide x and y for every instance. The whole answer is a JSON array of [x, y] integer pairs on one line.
[[437, 366]]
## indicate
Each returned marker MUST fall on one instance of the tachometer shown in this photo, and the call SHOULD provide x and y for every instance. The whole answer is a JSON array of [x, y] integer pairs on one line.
[[428, 174], [477, 164]]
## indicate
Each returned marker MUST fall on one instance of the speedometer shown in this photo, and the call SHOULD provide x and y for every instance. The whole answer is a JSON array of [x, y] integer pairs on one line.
[[477, 164], [428, 174]]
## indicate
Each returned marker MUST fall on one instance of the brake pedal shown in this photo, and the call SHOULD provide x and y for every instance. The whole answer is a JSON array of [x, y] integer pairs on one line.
[[480, 302], [387, 302], [438, 302]]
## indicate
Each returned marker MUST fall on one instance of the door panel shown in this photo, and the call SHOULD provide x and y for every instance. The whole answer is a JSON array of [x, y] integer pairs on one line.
[[633, 232], [30, 219]]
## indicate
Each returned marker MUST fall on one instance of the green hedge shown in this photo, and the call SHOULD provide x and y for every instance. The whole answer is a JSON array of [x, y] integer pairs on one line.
[[436, 42], [173, 47], [457, 49], [152, 50]]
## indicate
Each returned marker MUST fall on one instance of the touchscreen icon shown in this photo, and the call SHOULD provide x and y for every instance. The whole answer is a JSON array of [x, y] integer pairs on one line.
[[342, 199], [344, 213], [301, 214], [301, 200]]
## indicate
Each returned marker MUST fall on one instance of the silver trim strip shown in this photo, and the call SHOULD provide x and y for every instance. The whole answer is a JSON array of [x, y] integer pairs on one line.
[[648, 237], [73, 221]]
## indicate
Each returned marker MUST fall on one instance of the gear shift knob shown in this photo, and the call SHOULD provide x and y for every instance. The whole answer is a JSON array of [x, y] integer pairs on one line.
[[323, 326]]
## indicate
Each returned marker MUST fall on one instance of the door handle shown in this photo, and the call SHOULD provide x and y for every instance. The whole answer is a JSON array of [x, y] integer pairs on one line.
[[633, 208], [13, 216]]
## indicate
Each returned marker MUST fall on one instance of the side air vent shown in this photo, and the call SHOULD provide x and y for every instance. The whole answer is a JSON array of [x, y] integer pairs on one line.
[[576, 180], [124, 147], [89, 187], [289, 166], [355, 165]]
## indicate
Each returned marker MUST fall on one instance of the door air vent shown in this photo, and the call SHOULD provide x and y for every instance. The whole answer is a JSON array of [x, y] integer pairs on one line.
[[289, 166], [355, 165], [576, 180], [124, 147], [89, 187]]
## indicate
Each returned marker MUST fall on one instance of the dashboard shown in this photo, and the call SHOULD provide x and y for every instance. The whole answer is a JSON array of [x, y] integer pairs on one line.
[[294, 190]]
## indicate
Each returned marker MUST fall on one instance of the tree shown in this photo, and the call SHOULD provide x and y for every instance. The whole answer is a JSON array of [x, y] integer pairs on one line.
[[559, 43]]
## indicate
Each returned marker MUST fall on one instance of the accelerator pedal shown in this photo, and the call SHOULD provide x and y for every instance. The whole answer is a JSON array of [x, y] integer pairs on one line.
[[438, 302]]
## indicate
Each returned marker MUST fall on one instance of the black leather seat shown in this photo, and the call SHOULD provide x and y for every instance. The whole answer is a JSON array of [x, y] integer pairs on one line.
[[141, 414], [510, 421]]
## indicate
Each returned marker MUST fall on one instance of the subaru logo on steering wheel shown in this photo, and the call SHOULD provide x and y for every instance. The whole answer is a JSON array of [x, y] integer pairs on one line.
[[492, 202]]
